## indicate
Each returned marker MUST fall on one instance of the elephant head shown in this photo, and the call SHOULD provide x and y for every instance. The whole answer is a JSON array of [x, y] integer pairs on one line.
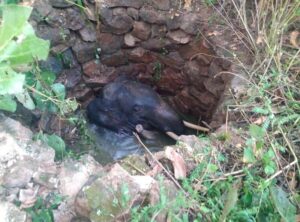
[[124, 103]]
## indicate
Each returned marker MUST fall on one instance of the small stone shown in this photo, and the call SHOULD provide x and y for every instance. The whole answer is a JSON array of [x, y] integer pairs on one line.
[[52, 64], [133, 13], [141, 55], [192, 50], [19, 174], [55, 35], [72, 77], [179, 37], [75, 19], [214, 86], [158, 31], [120, 24], [57, 18], [40, 10], [141, 30], [124, 3], [195, 72], [68, 58], [171, 81], [88, 33], [156, 44], [150, 15], [60, 3], [97, 74], [46, 179], [160, 4], [206, 98], [84, 51], [117, 59], [119, 11], [130, 40], [191, 23], [81, 92], [174, 22], [109, 43]]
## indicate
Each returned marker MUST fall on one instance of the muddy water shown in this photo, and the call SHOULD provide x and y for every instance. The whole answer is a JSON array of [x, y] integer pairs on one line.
[[111, 146]]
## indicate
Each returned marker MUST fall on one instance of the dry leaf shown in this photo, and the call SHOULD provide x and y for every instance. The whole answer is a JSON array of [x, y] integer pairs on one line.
[[177, 162], [293, 38], [260, 120], [155, 171], [187, 4]]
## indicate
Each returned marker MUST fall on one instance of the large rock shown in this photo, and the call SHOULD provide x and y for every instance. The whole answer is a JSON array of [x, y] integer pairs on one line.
[[74, 174], [107, 193], [11, 213]]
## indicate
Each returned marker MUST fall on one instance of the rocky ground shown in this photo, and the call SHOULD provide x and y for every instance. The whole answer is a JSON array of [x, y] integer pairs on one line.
[[86, 190]]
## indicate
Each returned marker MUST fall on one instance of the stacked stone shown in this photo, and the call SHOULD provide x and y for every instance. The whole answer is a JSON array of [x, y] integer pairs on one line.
[[151, 40]]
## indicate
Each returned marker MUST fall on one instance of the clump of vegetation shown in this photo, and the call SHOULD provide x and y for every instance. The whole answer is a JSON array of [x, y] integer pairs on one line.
[[21, 80], [262, 185]]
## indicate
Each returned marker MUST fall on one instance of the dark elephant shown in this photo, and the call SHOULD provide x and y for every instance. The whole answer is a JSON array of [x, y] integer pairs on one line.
[[124, 104]]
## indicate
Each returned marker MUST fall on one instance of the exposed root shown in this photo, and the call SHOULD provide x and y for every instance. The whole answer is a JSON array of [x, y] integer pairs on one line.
[[196, 127]]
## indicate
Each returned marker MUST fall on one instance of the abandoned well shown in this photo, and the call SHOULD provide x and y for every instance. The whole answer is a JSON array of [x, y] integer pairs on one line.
[[160, 43]]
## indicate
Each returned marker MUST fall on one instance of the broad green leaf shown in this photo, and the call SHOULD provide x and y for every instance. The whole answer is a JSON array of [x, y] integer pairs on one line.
[[48, 77], [270, 168], [256, 131], [55, 142], [59, 90], [285, 208], [10, 81], [248, 155], [260, 110], [231, 200], [7, 103], [26, 100], [14, 18], [29, 49]]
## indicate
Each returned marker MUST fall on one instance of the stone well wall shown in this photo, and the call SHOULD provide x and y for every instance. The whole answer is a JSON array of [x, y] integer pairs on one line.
[[156, 41]]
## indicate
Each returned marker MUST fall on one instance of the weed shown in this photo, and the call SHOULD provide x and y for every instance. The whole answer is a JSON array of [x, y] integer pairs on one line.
[[42, 211], [157, 71]]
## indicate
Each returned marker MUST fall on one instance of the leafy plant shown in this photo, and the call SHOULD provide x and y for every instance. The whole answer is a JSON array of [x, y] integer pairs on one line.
[[19, 49], [55, 142], [42, 211]]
